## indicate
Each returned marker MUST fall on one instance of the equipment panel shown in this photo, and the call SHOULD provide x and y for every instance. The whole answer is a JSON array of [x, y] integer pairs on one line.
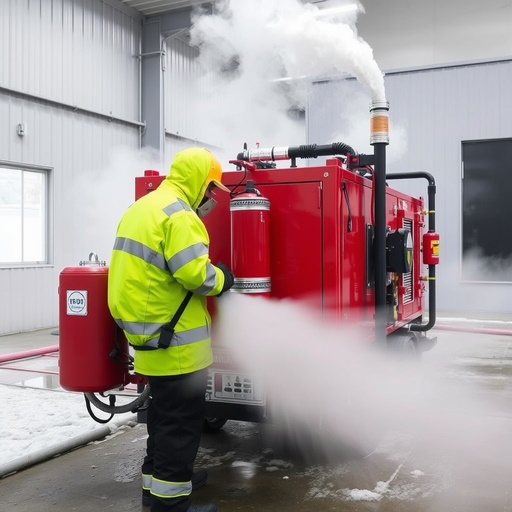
[[228, 386]]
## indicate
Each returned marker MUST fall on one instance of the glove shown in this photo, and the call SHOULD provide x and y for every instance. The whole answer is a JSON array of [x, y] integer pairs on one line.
[[229, 278]]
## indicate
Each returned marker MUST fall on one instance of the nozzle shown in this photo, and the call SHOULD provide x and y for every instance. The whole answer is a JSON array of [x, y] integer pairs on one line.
[[249, 187]]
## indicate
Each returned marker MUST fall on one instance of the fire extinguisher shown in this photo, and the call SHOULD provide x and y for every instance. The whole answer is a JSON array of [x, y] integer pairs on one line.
[[250, 241], [93, 352], [431, 248]]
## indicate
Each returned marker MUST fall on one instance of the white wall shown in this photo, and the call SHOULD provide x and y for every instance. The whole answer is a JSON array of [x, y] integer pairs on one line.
[[79, 53], [410, 33]]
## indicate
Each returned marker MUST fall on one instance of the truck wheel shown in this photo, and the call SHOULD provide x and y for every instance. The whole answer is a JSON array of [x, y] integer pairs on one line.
[[404, 345], [213, 424]]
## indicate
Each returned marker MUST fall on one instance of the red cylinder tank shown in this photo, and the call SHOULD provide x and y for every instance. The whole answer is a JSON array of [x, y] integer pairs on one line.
[[431, 248], [93, 352], [250, 241]]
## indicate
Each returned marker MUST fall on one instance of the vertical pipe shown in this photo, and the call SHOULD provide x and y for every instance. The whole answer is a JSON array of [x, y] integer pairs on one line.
[[379, 139], [431, 229], [141, 128], [432, 307]]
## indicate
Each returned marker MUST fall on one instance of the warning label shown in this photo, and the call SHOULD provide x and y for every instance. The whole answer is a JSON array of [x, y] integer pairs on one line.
[[77, 302]]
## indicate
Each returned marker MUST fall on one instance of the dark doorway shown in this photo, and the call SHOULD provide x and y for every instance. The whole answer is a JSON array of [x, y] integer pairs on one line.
[[487, 210]]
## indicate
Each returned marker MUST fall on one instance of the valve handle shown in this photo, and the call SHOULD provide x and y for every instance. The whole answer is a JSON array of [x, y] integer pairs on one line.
[[93, 260]]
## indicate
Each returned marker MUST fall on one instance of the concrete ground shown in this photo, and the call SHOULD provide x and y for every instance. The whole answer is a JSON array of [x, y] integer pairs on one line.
[[445, 447]]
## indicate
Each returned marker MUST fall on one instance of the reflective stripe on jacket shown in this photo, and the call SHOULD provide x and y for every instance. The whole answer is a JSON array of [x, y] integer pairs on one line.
[[160, 252]]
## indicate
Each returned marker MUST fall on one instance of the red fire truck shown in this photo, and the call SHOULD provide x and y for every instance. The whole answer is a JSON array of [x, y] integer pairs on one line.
[[275, 223], [336, 234]]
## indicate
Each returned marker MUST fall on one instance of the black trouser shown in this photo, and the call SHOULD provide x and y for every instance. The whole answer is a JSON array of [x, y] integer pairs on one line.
[[174, 423]]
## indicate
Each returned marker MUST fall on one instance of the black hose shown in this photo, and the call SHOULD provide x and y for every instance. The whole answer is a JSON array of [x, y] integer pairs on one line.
[[92, 415], [119, 409], [314, 150]]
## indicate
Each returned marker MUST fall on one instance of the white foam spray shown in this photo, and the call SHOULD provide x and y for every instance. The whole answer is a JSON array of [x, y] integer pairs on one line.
[[312, 369], [318, 375]]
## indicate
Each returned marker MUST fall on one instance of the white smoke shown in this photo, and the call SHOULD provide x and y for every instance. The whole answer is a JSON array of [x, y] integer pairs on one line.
[[476, 267], [326, 383], [322, 44], [259, 58], [351, 106], [315, 371], [288, 38], [103, 194]]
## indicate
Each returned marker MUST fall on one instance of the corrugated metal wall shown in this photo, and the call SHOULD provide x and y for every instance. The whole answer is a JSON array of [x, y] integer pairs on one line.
[[75, 52], [437, 109], [181, 68], [185, 81]]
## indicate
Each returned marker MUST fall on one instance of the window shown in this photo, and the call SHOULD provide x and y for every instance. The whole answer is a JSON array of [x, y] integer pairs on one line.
[[23, 215], [487, 210]]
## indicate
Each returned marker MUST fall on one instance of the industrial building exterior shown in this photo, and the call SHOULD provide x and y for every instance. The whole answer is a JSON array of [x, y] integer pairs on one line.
[[86, 84]]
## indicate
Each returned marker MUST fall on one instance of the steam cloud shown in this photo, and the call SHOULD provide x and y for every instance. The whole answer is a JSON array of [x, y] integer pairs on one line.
[[288, 39], [246, 48], [315, 370], [102, 196], [258, 58], [432, 416]]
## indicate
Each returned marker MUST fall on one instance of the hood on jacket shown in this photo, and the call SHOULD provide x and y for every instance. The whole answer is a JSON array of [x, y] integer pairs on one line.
[[191, 172]]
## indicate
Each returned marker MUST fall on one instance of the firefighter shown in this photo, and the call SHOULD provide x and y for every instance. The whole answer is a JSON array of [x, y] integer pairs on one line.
[[160, 270]]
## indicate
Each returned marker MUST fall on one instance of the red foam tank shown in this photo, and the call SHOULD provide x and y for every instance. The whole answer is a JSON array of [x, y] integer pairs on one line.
[[93, 352]]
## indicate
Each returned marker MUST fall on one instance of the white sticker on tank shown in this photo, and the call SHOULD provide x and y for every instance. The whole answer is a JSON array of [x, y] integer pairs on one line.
[[77, 302]]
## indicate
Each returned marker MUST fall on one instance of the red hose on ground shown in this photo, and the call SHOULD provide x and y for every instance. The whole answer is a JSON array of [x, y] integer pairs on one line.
[[5, 358], [476, 330]]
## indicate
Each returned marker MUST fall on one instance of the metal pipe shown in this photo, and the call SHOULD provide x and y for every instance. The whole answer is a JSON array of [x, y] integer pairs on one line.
[[292, 152], [431, 202], [15, 356], [158, 52], [379, 184], [73, 108], [379, 139], [141, 131]]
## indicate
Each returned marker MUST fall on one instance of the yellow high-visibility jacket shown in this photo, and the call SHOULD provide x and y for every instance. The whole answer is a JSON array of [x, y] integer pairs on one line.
[[160, 253]]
